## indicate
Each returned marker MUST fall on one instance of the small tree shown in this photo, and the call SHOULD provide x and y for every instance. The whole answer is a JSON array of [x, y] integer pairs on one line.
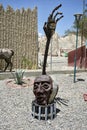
[[82, 27]]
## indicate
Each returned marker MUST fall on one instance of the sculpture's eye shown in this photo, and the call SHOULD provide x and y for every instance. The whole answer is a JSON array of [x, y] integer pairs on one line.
[[45, 86], [35, 86]]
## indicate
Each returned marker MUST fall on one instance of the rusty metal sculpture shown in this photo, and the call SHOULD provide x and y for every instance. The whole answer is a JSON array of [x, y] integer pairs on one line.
[[44, 88], [7, 54], [49, 29]]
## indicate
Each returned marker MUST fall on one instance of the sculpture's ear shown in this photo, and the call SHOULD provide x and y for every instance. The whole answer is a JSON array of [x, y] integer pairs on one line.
[[54, 92]]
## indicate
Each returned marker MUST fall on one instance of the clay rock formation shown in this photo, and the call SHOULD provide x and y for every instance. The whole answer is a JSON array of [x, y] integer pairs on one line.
[[58, 43]]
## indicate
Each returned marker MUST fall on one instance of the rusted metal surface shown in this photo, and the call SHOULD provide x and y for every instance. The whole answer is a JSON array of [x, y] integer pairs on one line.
[[49, 29], [42, 89]]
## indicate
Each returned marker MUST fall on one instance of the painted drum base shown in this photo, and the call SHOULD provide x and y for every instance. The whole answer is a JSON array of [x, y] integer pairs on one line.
[[44, 112]]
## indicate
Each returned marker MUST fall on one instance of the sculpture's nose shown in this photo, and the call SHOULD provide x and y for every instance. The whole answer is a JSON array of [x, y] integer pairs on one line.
[[39, 90]]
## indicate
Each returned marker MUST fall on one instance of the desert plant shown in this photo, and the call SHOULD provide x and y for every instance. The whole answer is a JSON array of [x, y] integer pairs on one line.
[[18, 76]]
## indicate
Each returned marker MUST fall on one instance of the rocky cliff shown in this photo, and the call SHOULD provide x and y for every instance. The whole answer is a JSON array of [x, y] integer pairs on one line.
[[59, 44]]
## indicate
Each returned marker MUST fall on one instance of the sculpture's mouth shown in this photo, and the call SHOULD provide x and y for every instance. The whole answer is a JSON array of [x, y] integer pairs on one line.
[[41, 99]]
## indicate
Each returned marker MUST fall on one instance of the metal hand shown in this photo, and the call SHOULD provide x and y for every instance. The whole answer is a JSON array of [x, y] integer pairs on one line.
[[50, 25]]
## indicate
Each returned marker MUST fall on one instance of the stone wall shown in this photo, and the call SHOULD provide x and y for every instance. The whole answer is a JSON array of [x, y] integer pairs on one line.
[[18, 31]]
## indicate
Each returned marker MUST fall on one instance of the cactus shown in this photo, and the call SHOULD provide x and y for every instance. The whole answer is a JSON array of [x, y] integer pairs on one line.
[[18, 76]]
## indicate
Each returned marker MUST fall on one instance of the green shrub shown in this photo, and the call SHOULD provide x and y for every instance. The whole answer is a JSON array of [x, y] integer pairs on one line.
[[26, 63]]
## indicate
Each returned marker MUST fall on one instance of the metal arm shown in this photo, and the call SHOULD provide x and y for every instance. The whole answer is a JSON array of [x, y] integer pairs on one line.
[[49, 29]]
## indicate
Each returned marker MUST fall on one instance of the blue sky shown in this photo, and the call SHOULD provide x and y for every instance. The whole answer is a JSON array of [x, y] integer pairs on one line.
[[69, 8]]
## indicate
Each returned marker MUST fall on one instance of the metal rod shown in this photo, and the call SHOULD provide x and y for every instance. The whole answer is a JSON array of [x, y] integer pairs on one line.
[[77, 19], [75, 58], [51, 57]]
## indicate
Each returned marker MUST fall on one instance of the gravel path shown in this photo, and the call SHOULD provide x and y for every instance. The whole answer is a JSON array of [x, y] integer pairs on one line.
[[15, 106]]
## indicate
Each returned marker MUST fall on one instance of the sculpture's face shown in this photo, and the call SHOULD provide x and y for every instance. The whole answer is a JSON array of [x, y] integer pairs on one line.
[[42, 89]]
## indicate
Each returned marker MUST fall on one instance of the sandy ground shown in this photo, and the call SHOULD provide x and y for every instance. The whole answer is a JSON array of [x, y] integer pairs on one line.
[[16, 103]]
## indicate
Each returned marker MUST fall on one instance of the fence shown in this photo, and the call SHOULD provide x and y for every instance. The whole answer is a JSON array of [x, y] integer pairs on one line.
[[18, 31], [81, 57]]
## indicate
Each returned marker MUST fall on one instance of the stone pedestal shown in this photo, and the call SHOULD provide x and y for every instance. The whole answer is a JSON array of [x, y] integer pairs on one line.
[[44, 112]]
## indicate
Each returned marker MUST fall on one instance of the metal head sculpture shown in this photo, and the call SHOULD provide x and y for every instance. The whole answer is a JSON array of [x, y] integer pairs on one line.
[[42, 89], [43, 85]]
